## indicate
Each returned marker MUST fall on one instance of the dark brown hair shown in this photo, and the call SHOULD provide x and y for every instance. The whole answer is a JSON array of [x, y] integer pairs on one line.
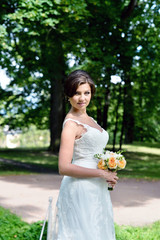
[[75, 79]]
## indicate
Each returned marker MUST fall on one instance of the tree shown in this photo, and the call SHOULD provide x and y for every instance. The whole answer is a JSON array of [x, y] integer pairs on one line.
[[36, 64], [103, 37]]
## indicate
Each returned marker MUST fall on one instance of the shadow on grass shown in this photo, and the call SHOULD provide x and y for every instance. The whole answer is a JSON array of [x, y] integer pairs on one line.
[[141, 165], [22, 161], [19, 161], [8, 167]]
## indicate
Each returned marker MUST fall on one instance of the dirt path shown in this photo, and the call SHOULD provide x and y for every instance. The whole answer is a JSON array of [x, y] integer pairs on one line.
[[134, 202]]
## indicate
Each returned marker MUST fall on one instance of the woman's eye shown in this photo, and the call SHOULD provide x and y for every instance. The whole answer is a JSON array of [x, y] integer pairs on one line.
[[85, 93]]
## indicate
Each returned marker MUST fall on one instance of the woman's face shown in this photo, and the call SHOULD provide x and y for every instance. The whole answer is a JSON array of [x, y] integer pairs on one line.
[[82, 97]]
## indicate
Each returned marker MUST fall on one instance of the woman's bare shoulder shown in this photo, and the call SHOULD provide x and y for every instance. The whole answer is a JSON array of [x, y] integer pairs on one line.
[[69, 124]]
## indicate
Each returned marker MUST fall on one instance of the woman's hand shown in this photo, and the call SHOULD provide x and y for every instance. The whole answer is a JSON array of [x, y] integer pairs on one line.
[[109, 176]]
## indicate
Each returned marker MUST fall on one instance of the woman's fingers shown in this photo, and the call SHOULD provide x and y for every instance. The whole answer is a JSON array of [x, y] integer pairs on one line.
[[109, 176], [113, 180], [111, 183]]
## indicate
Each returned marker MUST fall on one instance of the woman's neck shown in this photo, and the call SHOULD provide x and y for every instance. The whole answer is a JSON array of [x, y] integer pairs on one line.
[[78, 113]]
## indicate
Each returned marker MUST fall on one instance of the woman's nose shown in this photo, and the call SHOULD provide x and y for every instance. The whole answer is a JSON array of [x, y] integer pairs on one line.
[[81, 97]]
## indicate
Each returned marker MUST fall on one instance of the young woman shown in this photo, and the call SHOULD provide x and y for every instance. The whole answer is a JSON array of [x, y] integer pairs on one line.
[[84, 208]]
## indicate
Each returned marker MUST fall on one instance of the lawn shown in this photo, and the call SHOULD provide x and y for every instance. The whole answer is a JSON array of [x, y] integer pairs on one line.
[[39, 157], [143, 160], [148, 232], [12, 227]]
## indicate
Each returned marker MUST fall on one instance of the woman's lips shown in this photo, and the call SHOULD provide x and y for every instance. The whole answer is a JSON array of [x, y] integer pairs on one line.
[[81, 104]]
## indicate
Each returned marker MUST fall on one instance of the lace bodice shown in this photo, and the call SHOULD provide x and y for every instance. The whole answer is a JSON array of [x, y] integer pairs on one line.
[[84, 208], [91, 142]]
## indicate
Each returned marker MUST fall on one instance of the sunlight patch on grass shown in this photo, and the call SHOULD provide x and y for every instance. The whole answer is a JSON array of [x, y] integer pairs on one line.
[[149, 150], [143, 160], [29, 156], [140, 147]]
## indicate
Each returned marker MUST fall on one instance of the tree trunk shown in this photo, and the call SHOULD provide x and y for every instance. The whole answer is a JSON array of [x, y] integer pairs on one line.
[[56, 69], [117, 117], [129, 9], [122, 128], [99, 112], [128, 117], [141, 111], [115, 130], [106, 108], [122, 132], [127, 127], [56, 114]]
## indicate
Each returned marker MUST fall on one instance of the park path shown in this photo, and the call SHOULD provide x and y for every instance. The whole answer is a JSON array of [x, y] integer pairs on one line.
[[134, 202]]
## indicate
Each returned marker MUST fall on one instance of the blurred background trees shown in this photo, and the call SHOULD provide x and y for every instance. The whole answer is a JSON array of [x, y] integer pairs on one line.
[[41, 41]]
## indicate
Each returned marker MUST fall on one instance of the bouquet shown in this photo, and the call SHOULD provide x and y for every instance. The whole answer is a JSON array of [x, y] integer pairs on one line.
[[112, 161]]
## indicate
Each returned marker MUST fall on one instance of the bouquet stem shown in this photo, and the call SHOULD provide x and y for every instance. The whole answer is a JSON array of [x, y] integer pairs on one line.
[[110, 188]]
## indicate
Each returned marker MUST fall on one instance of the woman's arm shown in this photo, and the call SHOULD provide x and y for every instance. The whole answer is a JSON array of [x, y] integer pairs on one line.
[[69, 133]]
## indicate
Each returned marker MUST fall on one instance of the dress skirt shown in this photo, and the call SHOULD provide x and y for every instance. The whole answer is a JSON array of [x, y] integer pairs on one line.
[[84, 210]]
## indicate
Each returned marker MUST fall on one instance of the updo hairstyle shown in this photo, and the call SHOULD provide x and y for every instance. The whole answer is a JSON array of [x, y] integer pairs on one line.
[[75, 79]]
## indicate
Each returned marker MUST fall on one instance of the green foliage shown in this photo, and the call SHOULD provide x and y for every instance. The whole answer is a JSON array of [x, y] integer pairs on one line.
[[149, 232], [31, 36], [12, 227], [34, 137], [105, 38], [2, 33], [30, 137]]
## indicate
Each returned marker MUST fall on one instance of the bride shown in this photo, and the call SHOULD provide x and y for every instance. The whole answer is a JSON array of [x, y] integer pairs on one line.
[[84, 208]]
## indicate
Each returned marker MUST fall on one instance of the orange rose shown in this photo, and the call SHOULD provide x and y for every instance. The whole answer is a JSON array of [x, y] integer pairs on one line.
[[112, 163], [101, 164], [121, 163]]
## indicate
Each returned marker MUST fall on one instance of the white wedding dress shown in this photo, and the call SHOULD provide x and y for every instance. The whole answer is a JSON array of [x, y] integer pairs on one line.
[[84, 208]]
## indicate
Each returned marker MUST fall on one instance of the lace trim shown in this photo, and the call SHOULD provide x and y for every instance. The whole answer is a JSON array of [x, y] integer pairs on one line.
[[84, 130], [85, 125]]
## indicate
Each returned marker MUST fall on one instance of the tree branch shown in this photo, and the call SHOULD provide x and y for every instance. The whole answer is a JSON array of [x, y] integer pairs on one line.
[[128, 10]]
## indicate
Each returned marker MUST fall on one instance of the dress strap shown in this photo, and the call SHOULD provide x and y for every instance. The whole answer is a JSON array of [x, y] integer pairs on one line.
[[94, 120], [74, 120]]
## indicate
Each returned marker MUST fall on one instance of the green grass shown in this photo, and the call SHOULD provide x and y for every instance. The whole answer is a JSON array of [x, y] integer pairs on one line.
[[39, 157], [148, 232], [142, 165], [9, 169], [12, 227], [143, 160]]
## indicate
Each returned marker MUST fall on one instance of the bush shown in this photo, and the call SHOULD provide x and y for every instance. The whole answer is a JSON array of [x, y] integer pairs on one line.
[[12, 227]]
